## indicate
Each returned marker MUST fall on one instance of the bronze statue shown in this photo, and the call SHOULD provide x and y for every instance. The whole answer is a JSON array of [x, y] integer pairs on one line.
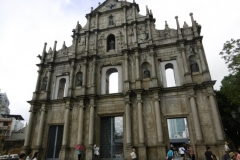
[[112, 45], [44, 84], [146, 73], [194, 66], [79, 82]]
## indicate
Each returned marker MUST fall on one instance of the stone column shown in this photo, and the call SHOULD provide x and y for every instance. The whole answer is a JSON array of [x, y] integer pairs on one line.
[[134, 12], [71, 79], [149, 32], [126, 77], [29, 128], [96, 42], [128, 123], [158, 118], [125, 36], [97, 21], [87, 43], [80, 122], [38, 79], [91, 129], [124, 15], [153, 73], [49, 78], [140, 119], [66, 125], [94, 76], [187, 74], [142, 148], [84, 83], [41, 126], [138, 81], [216, 120], [195, 116], [206, 74]]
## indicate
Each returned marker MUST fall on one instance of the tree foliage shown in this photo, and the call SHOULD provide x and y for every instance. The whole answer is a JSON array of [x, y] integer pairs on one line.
[[231, 55], [230, 125], [228, 97]]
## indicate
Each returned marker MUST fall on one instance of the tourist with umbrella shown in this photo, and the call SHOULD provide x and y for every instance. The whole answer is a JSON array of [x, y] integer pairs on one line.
[[80, 148]]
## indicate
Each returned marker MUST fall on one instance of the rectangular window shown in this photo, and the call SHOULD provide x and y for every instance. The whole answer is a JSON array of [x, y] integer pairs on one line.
[[5, 123], [55, 135]]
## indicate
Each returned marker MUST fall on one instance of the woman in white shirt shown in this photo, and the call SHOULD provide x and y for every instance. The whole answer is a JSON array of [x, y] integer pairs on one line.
[[133, 155]]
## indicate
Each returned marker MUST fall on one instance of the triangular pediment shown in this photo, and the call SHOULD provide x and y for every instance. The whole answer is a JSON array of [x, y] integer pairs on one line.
[[108, 5]]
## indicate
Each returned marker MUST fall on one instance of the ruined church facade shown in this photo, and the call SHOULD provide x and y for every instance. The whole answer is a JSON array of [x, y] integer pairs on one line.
[[72, 103]]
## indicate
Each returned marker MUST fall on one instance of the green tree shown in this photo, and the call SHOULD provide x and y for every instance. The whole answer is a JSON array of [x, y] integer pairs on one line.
[[231, 83], [231, 55], [228, 97]]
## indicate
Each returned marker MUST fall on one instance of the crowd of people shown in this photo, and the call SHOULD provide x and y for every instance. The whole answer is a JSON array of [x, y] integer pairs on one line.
[[187, 152]]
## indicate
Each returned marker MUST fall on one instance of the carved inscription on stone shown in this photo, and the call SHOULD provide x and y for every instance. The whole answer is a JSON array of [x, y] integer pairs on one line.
[[115, 107], [57, 116], [175, 105]]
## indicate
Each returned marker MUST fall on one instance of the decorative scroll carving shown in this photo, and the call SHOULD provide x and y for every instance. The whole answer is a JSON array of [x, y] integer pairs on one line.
[[168, 33], [142, 32], [92, 43], [129, 14], [82, 45], [120, 41], [93, 22], [100, 44]]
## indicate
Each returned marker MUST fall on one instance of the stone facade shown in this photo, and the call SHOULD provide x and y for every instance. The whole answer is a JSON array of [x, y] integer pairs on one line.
[[72, 86]]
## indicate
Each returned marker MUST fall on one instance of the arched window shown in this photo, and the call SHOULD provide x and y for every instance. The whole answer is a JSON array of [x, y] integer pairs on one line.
[[111, 80], [113, 83], [111, 42], [61, 88], [170, 77]]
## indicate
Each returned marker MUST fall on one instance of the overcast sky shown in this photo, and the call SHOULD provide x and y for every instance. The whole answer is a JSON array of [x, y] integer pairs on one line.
[[26, 24]]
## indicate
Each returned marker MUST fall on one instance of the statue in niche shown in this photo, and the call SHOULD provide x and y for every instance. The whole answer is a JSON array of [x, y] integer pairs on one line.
[[146, 73], [194, 66], [112, 45], [79, 81], [44, 84], [111, 21], [192, 49]]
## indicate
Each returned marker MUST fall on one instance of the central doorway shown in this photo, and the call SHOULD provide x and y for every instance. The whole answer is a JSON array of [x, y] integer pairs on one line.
[[111, 144]]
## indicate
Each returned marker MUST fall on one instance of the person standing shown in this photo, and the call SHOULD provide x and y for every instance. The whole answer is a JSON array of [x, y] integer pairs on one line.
[[238, 155], [208, 154], [96, 152], [227, 149], [182, 152], [170, 154], [79, 153], [22, 156], [191, 152], [35, 156], [133, 155]]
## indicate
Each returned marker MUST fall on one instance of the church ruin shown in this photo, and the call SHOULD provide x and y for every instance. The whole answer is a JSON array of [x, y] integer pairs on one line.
[[72, 103]]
